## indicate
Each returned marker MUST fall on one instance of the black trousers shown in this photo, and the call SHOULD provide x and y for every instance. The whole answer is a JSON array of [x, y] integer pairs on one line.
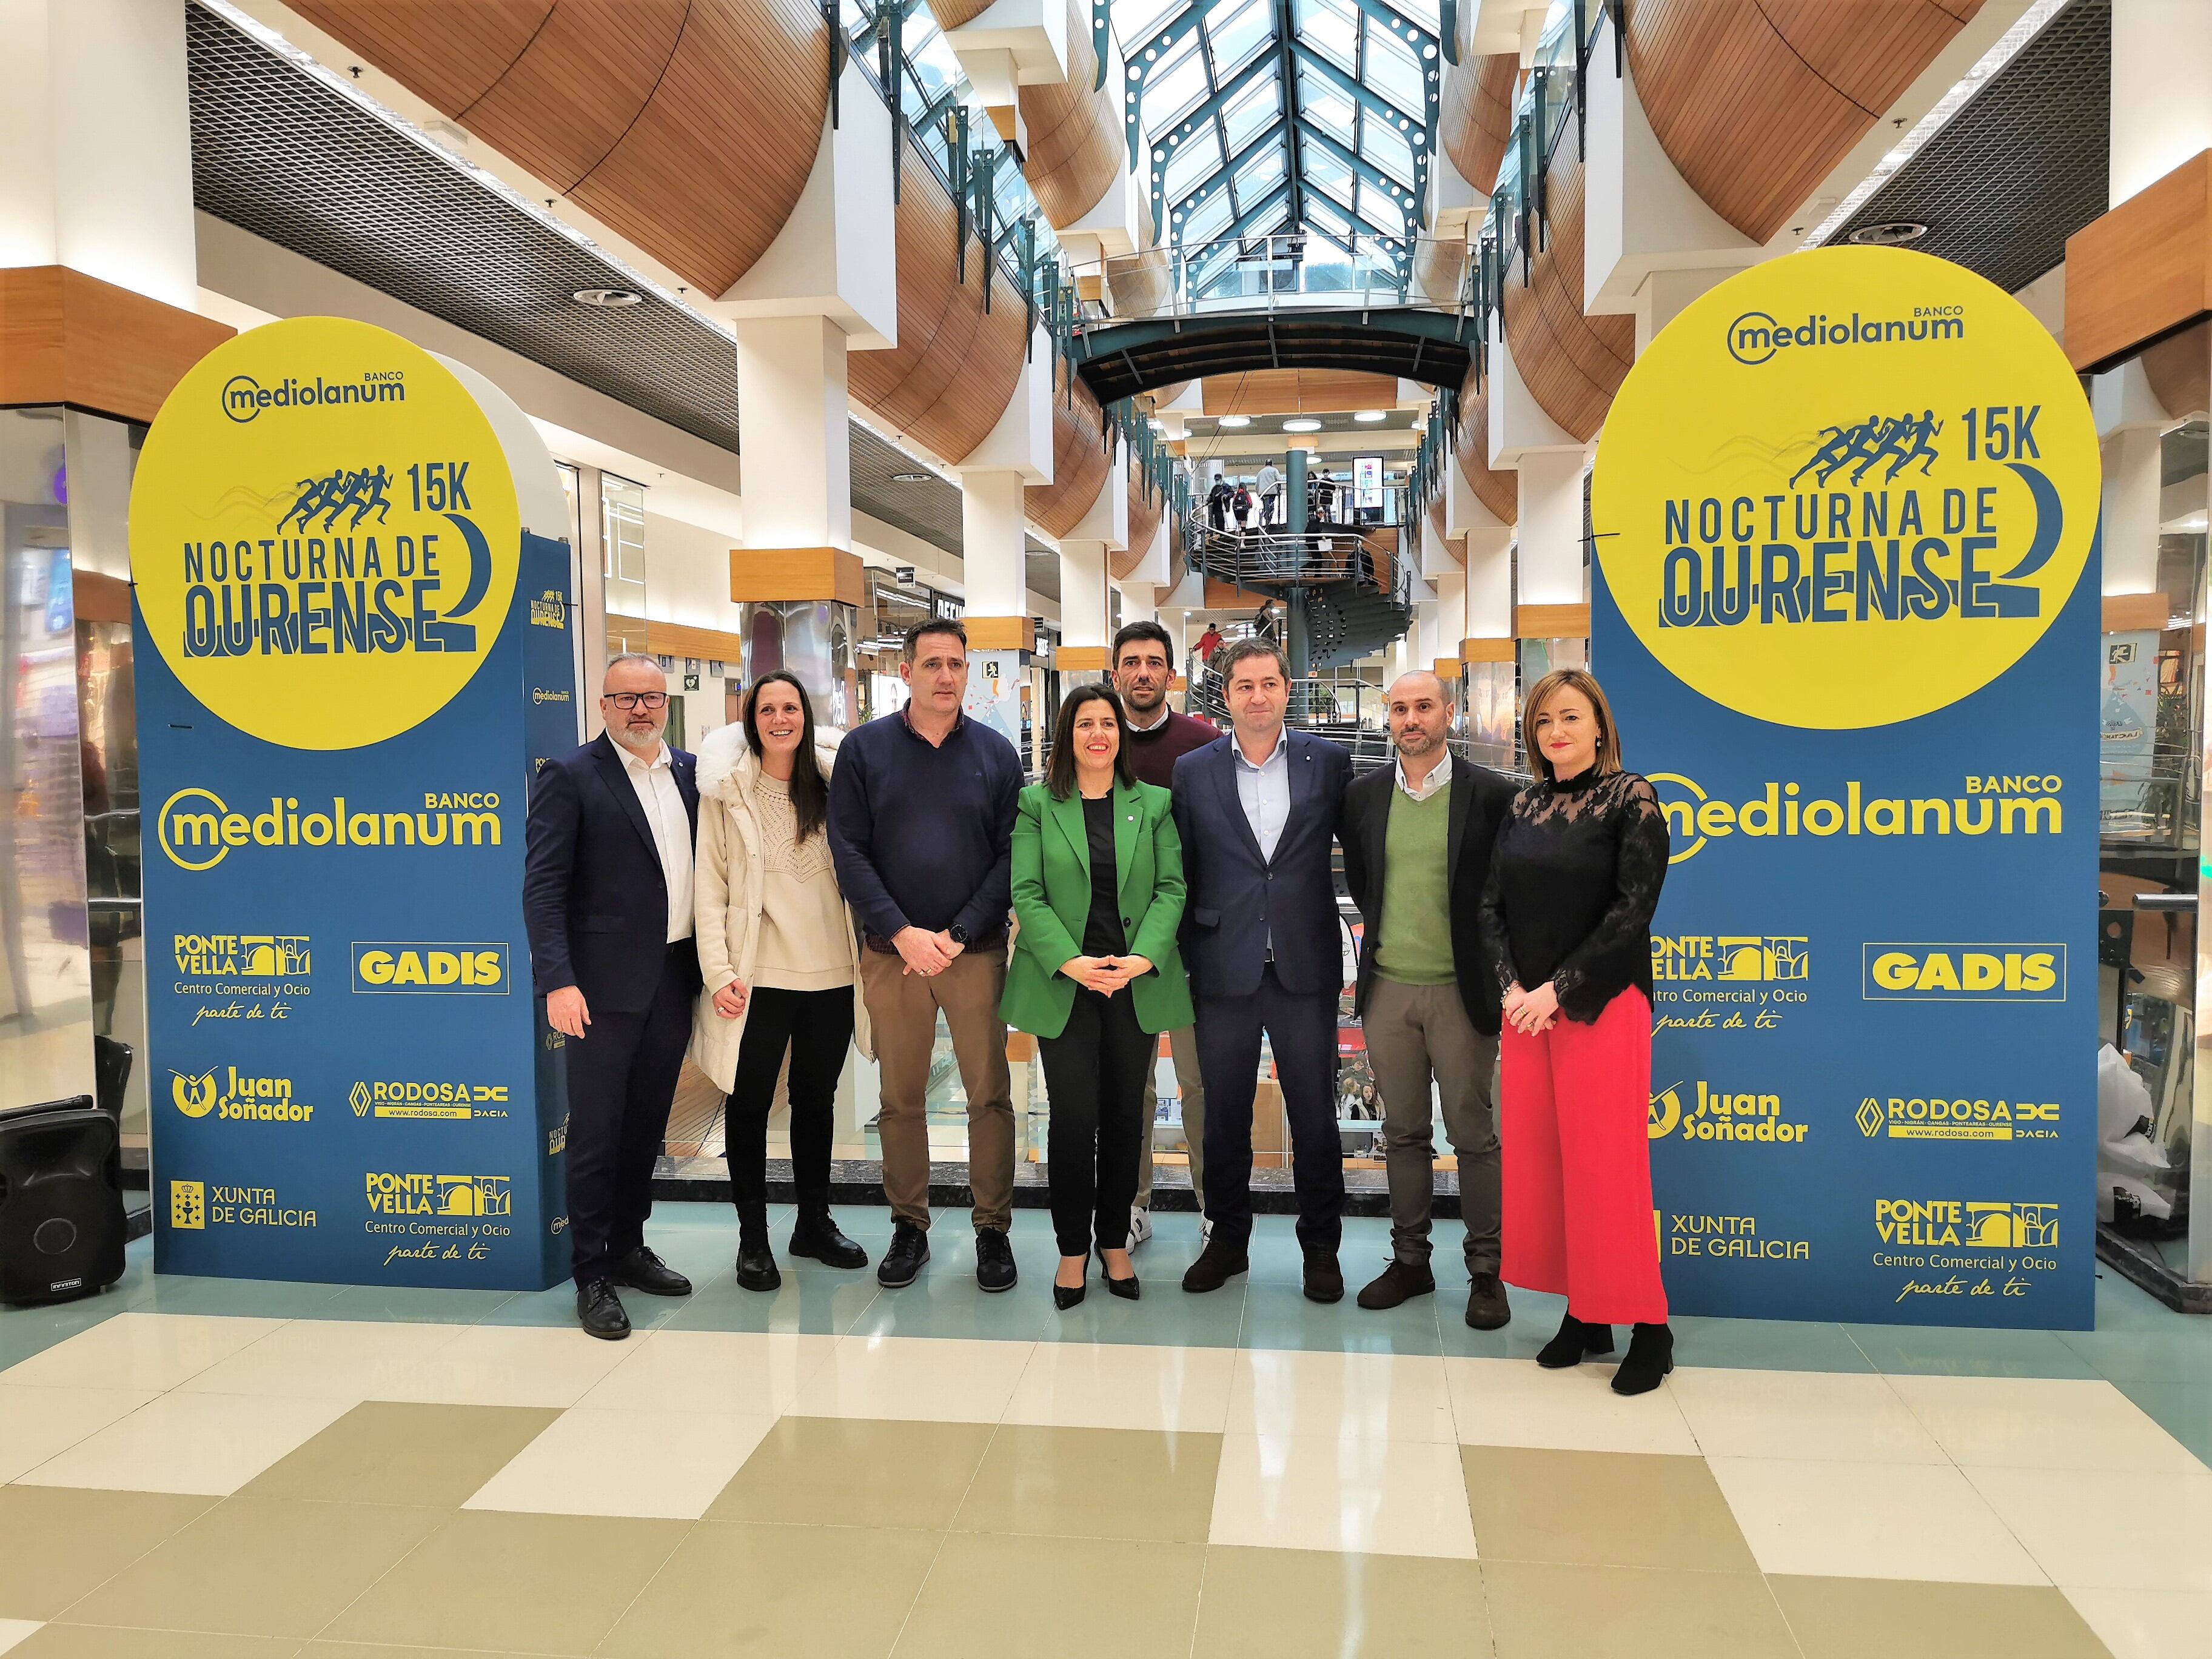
[[622, 1081], [817, 1028], [1300, 1030], [1094, 1074]]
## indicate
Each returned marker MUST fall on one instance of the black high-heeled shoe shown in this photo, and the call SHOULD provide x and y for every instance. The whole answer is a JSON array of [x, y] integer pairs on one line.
[[1125, 1288], [1650, 1356], [1575, 1339], [1065, 1297]]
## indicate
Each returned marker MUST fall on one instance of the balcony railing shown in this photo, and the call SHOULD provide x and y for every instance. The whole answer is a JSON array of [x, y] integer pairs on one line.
[[1293, 271]]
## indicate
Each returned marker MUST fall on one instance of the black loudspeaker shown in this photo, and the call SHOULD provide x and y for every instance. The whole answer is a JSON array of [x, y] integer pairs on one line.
[[61, 1203]]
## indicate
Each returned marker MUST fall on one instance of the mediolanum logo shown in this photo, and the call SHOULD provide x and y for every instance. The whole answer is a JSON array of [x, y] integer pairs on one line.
[[198, 829], [244, 398], [1754, 337], [412, 966], [1964, 973], [2022, 806]]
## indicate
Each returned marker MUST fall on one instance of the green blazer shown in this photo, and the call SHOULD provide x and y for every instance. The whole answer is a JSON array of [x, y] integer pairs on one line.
[[1051, 900]]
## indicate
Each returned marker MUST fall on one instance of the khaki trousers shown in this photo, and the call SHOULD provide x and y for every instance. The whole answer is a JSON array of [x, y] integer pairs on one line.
[[904, 1009], [1182, 1043], [1417, 1034]]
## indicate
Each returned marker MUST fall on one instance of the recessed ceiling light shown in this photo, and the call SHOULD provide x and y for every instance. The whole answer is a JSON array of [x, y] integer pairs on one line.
[[1302, 425], [910, 478], [1896, 233], [1371, 416], [1235, 420], [609, 299]]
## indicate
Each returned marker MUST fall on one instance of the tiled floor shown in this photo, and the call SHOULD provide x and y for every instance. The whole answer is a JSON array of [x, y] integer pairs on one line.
[[205, 1469]]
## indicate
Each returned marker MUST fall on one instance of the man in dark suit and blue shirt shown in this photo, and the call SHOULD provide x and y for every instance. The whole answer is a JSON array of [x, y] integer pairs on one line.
[[606, 895], [1256, 812]]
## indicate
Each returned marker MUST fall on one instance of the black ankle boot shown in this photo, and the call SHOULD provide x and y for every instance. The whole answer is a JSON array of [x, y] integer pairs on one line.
[[816, 1234], [1575, 1339], [1650, 1356], [756, 1268]]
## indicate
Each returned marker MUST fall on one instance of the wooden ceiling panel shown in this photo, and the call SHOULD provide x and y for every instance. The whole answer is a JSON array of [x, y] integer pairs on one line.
[[1145, 510], [1297, 391], [1076, 141], [1476, 119], [1756, 101], [1078, 459], [1500, 490], [951, 14], [449, 55]]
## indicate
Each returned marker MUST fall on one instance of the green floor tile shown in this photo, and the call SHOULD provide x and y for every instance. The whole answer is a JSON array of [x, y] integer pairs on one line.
[[1767, 1344], [252, 1298], [1535, 1318], [1164, 1314], [945, 1300], [2184, 1410], [2182, 1353], [557, 1306], [414, 1304], [813, 1304]]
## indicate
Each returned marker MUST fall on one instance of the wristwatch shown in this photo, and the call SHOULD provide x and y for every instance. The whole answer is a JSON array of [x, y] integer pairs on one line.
[[959, 935]]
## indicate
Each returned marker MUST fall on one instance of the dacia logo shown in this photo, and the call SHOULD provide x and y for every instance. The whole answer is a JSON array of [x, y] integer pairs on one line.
[[441, 1097], [389, 966], [1966, 1223], [1934, 1118], [1964, 973]]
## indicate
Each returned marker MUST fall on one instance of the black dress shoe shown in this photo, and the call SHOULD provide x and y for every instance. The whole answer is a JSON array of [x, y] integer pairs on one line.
[[1065, 1297], [1650, 1356], [600, 1310], [641, 1270], [1486, 1307], [1216, 1264], [1400, 1283], [901, 1263], [816, 1234], [756, 1268], [1575, 1340], [994, 1260], [1126, 1289], [1324, 1279]]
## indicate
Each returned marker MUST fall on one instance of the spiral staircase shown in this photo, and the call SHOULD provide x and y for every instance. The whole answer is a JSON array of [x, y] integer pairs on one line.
[[1344, 586]]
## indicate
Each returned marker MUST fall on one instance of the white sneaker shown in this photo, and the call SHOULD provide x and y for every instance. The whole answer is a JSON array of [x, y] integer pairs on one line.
[[1140, 1225]]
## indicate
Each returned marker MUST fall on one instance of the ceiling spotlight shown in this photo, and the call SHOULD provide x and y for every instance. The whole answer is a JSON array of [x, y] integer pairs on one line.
[[1301, 424], [1371, 416], [910, 478], [1235, 420], [1896, 233], [609, 299]]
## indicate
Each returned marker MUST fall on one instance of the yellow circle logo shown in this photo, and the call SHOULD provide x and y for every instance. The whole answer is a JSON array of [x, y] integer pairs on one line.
[[1846, 489], [324, 534]]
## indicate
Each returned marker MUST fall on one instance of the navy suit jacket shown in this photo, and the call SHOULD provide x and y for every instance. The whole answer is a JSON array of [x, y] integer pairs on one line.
[[593, 893], [1234, 897]]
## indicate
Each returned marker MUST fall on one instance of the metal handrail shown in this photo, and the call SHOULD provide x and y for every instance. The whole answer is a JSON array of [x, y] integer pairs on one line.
[[1288, 558], [1272, 273]]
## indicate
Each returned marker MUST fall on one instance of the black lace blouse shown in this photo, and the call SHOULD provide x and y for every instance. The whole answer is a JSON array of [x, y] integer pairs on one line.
[[1573, 885]]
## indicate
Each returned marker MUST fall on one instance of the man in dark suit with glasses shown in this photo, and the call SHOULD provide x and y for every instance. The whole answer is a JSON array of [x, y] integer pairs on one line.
[[607, 896]]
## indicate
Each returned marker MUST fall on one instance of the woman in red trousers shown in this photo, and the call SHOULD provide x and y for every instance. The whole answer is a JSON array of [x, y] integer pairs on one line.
[[1566, 926]]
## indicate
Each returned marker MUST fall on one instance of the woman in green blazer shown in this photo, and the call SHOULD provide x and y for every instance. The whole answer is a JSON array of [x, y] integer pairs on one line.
[[1095, 974]]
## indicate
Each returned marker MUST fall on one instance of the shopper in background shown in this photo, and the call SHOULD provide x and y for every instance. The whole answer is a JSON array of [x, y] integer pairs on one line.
[[1216, 503], [1153, 738], [1240, 506], [1417, 843], [779, 960], [1256, 812], [606, 896], [1270, 483], [1208, 643], [1095, 974], [1566, 928], [921, 820]]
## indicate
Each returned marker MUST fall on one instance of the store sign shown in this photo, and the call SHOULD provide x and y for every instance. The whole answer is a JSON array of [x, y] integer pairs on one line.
[[351, 658], [1847, 603]]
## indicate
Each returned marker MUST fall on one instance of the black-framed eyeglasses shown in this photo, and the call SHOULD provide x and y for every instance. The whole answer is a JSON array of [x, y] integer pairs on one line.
[[636, 699]]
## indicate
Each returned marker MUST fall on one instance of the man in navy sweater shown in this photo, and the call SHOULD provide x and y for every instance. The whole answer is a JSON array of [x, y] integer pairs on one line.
[[921, 828]]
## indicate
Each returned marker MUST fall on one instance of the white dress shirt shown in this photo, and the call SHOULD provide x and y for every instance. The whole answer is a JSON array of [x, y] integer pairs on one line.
[[1265, 793], [1166, 715], [1439, 776], [655, 783]]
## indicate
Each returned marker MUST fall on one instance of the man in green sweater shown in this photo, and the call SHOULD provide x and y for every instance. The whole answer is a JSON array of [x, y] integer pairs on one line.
[[1416, 840]]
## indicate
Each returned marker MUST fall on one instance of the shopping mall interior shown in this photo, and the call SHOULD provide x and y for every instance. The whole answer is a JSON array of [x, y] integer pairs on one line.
[[1309, 320]]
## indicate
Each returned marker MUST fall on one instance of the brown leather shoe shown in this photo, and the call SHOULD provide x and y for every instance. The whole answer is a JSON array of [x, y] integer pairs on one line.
[[1400, 1283], [1486, 1307]]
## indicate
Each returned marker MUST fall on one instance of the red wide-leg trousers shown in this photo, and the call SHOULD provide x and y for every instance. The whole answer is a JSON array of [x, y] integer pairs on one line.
[[1577, 1164]]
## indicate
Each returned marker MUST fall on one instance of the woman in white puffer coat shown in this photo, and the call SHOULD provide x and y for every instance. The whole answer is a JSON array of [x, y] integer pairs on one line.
[[779, 956]]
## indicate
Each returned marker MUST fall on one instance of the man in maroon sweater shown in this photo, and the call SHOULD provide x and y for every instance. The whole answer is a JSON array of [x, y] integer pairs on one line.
[[1144, 669]]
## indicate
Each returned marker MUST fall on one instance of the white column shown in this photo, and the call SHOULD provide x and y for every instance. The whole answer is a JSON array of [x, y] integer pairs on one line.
[[2132, 482], [794, 445], [1552, 526], [2161, 89], [994, 545], [96, 143], [1083, 609], [1140, 602]]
